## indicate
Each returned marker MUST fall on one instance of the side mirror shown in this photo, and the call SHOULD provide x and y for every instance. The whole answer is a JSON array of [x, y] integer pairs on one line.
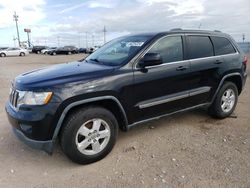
[[150, 59]]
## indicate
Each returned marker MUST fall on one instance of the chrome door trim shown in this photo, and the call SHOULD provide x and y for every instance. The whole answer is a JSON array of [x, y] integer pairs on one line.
[[172, 97], [168, 114]]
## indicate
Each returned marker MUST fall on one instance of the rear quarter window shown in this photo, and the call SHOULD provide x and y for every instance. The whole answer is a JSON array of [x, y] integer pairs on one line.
[[222, 46], [199, 47]]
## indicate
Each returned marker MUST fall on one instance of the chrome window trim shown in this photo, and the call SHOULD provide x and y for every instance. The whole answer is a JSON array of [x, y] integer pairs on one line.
[[170, 98], [183, 61]]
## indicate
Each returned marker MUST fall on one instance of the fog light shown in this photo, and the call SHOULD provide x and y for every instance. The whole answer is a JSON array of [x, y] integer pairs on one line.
[[26, 128]]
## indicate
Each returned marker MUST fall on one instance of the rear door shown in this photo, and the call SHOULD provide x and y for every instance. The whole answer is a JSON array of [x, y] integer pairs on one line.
[[205, 67]]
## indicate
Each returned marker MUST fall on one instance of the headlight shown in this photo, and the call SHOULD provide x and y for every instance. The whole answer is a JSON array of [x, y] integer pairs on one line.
[[33, 98]]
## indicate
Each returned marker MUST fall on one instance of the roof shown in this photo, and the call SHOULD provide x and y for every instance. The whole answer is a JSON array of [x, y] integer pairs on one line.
[[187, 31], [181, 31]]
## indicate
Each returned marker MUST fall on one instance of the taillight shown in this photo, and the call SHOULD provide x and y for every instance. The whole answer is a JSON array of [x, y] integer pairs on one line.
[[245, 61]]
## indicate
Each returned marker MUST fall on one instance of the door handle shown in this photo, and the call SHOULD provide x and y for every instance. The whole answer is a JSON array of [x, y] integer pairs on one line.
[[181, 68], [218, 62]]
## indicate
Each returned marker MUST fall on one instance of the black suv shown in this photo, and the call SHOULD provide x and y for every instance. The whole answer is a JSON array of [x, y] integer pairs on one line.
[[128, 81], [38, 49]]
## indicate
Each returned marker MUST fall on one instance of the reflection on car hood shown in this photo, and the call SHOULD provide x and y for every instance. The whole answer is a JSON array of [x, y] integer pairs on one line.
[[60, 74]]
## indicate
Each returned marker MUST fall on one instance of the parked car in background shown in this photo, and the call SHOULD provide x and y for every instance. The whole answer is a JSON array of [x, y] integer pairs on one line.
[[29, 49], [92, 49], [3, 48], [82, 50], [47, 50], [13, 52], [38, 49], [64, 50]]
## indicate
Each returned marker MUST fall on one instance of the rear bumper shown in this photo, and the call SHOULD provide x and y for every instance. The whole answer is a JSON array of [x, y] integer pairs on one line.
[[46, 146]]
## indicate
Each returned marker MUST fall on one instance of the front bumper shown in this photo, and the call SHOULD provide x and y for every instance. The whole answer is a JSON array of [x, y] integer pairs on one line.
[[46, 146], [33, 126]]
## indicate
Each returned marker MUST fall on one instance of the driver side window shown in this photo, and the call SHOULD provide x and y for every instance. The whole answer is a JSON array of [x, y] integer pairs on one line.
[[170, 49]]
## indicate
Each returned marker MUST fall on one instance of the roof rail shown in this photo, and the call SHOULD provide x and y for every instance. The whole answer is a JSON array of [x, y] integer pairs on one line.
[[176, 29], [217, 31]]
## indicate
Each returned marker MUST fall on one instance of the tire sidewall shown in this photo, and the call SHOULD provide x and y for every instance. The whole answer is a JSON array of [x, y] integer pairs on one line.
[[218, 109], [69, 137]]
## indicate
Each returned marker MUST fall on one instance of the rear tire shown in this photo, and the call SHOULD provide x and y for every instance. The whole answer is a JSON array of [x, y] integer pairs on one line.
[[38, 52], [225, 101], [81, 139], [54, 53], [22, 54], [69, 53]]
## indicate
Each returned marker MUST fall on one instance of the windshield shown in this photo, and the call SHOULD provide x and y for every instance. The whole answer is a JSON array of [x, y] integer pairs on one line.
[[118, 51]]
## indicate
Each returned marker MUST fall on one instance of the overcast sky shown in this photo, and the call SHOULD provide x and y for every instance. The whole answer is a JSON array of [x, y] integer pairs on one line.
[[66, 22]]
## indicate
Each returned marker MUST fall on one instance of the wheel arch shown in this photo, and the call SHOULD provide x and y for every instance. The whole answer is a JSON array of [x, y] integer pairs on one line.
[[109, 102], [236, 78]]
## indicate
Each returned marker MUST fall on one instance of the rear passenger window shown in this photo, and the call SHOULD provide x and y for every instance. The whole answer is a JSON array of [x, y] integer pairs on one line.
[[222, 46], [170, 49], [199, 46]]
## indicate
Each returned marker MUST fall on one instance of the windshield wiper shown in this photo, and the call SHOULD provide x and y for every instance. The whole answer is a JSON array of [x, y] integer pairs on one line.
[[96, 60]]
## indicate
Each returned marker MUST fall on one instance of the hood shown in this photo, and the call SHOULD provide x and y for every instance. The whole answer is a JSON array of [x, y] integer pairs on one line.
[[60, 74]]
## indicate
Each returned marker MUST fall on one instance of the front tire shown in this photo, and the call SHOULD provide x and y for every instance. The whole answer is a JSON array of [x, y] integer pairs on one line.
[[3, 55], [89, 134], [22, 54], [225, 101]]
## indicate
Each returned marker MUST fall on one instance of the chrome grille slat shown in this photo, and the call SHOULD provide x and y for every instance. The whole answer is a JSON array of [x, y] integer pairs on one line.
[[14, 98]]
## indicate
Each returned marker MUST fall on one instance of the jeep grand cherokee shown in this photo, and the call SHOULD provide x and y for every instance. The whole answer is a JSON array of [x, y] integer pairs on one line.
[[128, 81]]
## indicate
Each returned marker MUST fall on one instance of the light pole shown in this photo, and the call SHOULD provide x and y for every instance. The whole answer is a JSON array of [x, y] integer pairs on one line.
[[93, 40], [104, 34], [15, 16], [243, 37], [86, 39], [28, 35], [14, 39]]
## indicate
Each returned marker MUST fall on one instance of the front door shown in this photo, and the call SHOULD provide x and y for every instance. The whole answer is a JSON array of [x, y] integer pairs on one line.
[[162, 88]]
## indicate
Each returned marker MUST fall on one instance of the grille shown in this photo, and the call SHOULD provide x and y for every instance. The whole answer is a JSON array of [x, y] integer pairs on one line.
[[14, 97]]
